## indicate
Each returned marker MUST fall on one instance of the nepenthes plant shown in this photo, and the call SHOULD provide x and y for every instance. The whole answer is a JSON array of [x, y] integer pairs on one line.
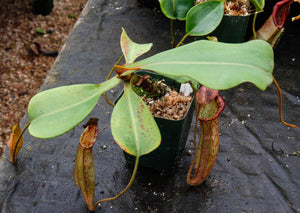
[[204, 62]]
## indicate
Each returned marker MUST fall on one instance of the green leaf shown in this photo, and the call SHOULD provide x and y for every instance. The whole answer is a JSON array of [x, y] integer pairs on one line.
[[72, 16], [176, 9], [132, 50], [40, 31], [133, 125], [259, 5], [56, 111], [216, 65], [204, 18]]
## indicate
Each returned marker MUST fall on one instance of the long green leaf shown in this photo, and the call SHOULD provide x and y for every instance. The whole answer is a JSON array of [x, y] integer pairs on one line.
[[216, 65], [56, 111], [132, 50], [204, 18], [133, 126], [176, 9]]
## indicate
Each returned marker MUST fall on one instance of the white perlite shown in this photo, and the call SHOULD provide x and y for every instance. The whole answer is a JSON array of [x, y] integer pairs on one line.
[[234, 7]]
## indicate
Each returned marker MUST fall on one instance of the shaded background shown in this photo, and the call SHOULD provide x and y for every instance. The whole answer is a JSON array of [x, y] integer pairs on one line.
[[254, 171]]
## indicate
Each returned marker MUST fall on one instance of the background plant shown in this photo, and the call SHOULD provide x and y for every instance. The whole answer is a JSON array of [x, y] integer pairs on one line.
[[201, 19]]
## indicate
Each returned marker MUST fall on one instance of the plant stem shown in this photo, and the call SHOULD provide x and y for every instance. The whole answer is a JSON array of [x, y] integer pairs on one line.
[[108, 77], [111, 71], [127, 68], [253, 25], [18, 140], [126, 188], [280, 105], [172, 33], [182, 40]]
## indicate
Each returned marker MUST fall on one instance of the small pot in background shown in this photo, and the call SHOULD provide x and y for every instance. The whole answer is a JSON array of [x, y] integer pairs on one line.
[[232, 29], [43, 7]]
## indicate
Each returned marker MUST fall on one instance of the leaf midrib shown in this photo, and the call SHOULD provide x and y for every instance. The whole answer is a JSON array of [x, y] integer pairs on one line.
[[174, 9], [134, 126], [204, 63], [206, 17], [68, 107]]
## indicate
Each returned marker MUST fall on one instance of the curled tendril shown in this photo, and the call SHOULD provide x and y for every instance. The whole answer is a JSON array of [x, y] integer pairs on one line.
[[280, 105]]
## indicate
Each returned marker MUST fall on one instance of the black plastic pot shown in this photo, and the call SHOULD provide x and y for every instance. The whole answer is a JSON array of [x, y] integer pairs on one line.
[[148, 3], [43, 7], [174, 134], [232, 29]]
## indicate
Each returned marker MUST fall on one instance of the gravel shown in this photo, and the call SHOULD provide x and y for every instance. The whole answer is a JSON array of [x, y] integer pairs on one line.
[[29, 44]]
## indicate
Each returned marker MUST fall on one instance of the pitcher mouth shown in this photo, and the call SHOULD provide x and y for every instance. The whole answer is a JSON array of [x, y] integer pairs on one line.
[[205, 96]]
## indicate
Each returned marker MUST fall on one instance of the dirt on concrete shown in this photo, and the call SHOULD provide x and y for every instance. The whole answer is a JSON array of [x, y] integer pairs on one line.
[[29, 44]]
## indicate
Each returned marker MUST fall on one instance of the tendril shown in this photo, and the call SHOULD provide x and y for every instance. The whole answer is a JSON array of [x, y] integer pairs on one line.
[[280, 104]]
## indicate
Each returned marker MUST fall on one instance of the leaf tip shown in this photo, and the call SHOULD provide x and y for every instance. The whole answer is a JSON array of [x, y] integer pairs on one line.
[[15, 142]]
